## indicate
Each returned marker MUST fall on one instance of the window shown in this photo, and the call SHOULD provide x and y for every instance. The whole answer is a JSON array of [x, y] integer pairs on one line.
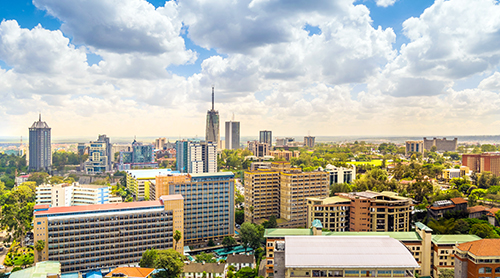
[[487, 270], [497, 270]]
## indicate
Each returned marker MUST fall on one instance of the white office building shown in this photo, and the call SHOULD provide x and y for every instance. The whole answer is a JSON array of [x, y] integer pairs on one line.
[[63, 195]]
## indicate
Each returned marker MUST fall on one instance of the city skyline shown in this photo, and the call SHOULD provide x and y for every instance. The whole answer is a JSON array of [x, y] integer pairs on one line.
[[342, 68]]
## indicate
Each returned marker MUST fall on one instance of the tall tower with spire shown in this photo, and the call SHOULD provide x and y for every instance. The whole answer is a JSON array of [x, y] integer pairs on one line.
[[40, 146], [212, 132]]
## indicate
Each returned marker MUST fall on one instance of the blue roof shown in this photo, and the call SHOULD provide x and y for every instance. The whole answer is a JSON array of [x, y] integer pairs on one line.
[[317, 224], [93, 274], [70, 275]]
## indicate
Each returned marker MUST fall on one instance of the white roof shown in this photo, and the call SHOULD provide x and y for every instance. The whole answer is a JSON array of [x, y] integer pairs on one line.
[[347, 251], [150, 173]]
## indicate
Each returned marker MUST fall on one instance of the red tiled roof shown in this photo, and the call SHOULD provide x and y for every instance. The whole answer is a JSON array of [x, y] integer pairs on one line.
[[478, 209], [100, 207], [483, 247], [458, 200], [41, 206], [139, 272], [493, 211]]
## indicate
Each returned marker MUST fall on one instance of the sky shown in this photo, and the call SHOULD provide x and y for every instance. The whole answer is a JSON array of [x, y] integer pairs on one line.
[[325, 68]]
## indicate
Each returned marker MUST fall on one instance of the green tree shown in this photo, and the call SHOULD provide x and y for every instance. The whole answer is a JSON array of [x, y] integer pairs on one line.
[[483, 230], [271, 223], [239, 216], [56, 180], [39, 246], [228, 242], [446, 273], [251, 235], [177, 237], [148, 258], [17, 212], [211, 243], [247, 272], [39, 177], [170, 262], [205, 257]]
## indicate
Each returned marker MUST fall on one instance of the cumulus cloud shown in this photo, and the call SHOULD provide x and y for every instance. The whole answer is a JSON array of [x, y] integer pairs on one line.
[[492, 83], [385, 3]]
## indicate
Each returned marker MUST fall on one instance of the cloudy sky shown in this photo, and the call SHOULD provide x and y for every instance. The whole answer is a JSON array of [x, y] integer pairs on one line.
[[337, 67]]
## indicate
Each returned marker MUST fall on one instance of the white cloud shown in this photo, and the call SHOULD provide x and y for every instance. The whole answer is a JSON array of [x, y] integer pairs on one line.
[[385, 3], [492, 83]]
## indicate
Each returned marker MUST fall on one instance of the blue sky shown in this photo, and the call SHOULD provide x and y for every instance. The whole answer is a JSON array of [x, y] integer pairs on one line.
[[324, 67]]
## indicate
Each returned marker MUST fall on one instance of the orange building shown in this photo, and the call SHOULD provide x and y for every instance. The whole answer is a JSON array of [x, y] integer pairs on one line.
[[485, 162], [480, 258]]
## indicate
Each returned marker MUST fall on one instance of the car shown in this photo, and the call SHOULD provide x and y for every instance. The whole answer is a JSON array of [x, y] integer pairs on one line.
[[2, 266]]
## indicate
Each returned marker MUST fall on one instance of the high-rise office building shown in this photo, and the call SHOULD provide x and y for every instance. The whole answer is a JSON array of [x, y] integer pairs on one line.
[[309, 141], [232, 140], [40, 156], [141, 156], [212, 132], [258, 149], [105, 236], [62, 195], [99, 160], [208, 203], [196, 156], [266, 136]]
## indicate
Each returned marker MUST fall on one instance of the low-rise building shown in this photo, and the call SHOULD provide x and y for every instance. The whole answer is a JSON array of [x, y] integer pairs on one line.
[[61, 195], [93, 237], [341, 174], [140, 182], [240, 261], [47, 269], [480, 258], [449, 174], [258, 149], [131, 272], [203, 270], [439, 208]]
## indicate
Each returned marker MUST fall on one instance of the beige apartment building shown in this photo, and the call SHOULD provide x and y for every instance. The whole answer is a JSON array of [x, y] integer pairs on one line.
[[333, 212], [282, 191], [107, 235]]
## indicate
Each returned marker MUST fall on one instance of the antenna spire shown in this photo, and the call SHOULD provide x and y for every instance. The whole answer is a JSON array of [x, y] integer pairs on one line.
[[39, 117], [212, 98]]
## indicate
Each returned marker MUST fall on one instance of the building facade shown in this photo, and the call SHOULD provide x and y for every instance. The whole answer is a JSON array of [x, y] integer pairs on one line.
[[262, 191], [141, 182], [309, 141], [100, 156], [196, 156], [140, 156], [232, 139], [208, 204], [91, 237], [40, 152], [442, 145], [266, 136], [333, 212], [341, 174], [284, 155], [258, 149], [212, 131], [61, 195], [485, 162], [414, 147], [480, 258]]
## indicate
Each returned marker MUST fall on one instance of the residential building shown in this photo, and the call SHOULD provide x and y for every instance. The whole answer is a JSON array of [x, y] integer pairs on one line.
[[140, 182], [203, 270], [100, 156], [240, 261], [442, 145], [61, 195], [478, 211], [131, 272], [333, 212], [342, 256], [284, 155], [414, 147], [281, 191], [40, 153], [232, 139], [449, 174], [266, 136], [21, 179], [341, 174], [81, 148], [140, 156], [431, 252], [212, 132], [438, 209], [47, 269], [485, 162], [480, 258], [258, 149], [196, 156], [92, 237], [283, 142], [159, 143], [260, 166], [309, 141], [378, 212], [208, 203]]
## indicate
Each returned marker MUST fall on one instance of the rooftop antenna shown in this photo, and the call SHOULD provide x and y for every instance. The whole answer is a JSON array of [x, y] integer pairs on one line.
[[233, 117], [39, 117], [212, 97]]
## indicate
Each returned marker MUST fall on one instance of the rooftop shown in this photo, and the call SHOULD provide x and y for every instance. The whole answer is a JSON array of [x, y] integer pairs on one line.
[[423, 227], [217, 174], [150, 173], [487, 247], [478, 209], [281, 233], [240, 258], [207, 267], [39, 123], [40, 270], [139, 272], [453, 239], [330, 200], [97, 207], [342, 251]]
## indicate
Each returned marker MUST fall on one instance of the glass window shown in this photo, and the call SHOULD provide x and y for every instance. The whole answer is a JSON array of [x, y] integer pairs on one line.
[[352, 273], [481, 270], [487, 270], [497, 270], [383, 273]]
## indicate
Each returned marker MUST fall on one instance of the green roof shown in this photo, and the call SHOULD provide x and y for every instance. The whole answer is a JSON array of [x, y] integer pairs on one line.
[[422, 227], [401, 236], [40, 270], [453, 239]]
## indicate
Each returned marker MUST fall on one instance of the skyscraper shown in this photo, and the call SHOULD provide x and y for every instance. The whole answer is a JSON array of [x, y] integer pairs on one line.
[[266, 136], [232, 135], [196, 157], [99, 160], [40, 157], [212, 134]]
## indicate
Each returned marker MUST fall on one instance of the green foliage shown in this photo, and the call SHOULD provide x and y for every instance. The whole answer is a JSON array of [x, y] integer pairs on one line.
[[251, 235], [63, 158], [17, 211], [171, 263], [259, 253], [239, 216], [177, 237], [446, 272], [148, 258], [39, 177], [247, 272], [39, 246], [17, 268], [272, 223], [228, 242], [483, 230], [487, 179], [211, 243], [205, 257], [8, 166]]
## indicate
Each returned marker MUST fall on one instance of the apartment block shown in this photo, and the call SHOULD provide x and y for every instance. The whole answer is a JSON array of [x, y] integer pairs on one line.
[[258, 149], [141, 182], [91, 237], [480, 258], [65, 194], [262, 191], [309, 141], [333, 212], [208, 203], [100, 156], [414, 146], [341, 174], [442, 145], [196, 156], [285, 155], [485, 162]]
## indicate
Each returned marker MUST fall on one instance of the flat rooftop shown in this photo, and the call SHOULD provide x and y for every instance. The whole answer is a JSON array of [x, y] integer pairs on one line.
[[330, 200], [99, 207], [150, 173], [344, 251]]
